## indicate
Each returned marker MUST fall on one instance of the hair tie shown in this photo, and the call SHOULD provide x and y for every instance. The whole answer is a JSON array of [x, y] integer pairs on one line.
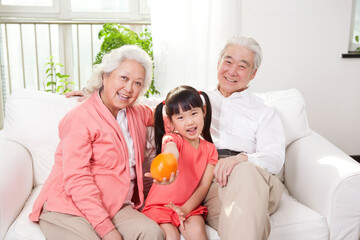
[[163, 102], [200, 92]]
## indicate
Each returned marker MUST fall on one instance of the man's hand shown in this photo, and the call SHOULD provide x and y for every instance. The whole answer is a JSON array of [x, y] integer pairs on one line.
[[164, 182], [179, 211], [225, 166], [113, 235], [77, 93]]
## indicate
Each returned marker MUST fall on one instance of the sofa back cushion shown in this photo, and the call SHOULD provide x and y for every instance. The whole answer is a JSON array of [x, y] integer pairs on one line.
[[32, 117], [290, 106]]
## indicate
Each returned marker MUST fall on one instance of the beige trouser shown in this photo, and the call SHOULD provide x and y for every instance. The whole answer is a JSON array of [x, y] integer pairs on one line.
[[241, 210], [130, 223]]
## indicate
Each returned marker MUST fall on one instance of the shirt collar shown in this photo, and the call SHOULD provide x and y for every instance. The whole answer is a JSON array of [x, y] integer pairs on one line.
[[243, 94]]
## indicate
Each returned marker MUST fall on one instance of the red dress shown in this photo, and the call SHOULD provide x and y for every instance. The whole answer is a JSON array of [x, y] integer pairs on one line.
[[191, 166]]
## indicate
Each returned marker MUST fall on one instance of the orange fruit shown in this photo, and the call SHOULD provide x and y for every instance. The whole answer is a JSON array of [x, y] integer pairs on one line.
[[163, 165]]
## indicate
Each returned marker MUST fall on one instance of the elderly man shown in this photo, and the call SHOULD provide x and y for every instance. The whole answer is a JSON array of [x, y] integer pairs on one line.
[[251, 144]]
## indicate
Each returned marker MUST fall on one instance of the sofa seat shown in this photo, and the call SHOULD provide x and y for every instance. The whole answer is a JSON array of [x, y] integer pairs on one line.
[[321, 201], [292, 221], [295, 221]]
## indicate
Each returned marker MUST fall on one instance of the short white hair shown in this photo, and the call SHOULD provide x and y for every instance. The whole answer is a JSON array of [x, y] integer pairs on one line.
[[111, 61], [247, 42]]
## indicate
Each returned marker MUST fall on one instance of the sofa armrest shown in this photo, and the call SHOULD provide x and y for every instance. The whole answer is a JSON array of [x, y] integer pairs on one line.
[[16, 181], [324, 178]]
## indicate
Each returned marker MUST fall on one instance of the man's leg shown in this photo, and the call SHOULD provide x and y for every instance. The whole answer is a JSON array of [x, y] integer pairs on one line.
[[59, 226], [251, 195], [132, 224], [213, 202]]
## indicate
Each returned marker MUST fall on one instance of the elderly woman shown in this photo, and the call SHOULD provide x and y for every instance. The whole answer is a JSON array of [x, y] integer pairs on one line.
[[96, 183]]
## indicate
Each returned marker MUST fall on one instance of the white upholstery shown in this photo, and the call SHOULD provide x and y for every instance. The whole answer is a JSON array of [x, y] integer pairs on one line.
[[323, 182]]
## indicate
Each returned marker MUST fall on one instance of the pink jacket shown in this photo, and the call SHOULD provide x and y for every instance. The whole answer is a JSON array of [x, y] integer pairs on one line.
[[90, 177]]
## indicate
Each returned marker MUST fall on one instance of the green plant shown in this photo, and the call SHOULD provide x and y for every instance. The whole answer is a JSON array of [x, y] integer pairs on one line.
[[357, 40], [116, 35], [58, 83]]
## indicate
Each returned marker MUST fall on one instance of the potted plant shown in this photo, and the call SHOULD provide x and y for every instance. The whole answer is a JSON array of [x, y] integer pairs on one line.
[[57, 83], [115, 35]]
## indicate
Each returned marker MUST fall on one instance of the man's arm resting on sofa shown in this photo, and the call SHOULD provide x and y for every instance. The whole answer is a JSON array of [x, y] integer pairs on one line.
[[16, 181], [321, 176]]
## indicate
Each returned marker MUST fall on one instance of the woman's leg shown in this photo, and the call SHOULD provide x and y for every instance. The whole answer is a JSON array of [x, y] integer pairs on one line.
[[132, 224], [171, 232], [194, 228], [60, 226]]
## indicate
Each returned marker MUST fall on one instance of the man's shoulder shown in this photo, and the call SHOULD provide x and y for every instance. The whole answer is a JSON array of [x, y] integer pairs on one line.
[[211, 92]]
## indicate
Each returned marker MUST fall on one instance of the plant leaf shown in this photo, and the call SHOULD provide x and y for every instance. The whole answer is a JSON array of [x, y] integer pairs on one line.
[[59, 87]]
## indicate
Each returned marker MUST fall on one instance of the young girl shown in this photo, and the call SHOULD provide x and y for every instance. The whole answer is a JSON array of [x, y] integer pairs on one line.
[[177, 206]]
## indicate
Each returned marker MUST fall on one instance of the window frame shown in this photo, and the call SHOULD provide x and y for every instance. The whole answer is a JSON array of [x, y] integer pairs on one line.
[[355, 13], [61, 11]]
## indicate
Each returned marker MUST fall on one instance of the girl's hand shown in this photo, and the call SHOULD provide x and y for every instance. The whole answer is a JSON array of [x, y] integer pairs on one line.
[[179, 211], [77, 93], [164, 182], [113, 235]]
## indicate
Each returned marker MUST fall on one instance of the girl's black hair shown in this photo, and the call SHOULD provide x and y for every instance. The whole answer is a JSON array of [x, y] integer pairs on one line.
[[186, 98]]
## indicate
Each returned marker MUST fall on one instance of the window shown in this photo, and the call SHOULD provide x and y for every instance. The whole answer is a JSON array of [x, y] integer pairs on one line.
[[64, 29], [353, 45]]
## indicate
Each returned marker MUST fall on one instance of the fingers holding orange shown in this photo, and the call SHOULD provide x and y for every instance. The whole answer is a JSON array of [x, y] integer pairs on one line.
[[163, 166]]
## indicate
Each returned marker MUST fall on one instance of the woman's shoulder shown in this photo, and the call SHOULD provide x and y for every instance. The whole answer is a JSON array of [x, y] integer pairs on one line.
[[139, 107], [143, 112]]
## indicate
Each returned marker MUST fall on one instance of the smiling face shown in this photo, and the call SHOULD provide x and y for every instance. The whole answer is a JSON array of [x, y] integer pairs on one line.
[[189, 124], [122, 86], [235, 69]]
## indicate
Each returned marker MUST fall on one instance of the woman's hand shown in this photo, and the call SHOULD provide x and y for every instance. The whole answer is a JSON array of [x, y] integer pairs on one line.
[[77, 93], [225, 166], [164, 182], [113, 235], [180, 212]]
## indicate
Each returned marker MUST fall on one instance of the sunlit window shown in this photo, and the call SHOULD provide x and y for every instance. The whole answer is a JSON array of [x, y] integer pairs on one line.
[[38, 3], [355, 41], [33, 30], [100, 6]]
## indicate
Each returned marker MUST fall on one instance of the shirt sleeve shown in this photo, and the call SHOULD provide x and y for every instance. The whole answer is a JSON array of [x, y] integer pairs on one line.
[[78, 180], [172, 137], [270, 147], [213, 154]]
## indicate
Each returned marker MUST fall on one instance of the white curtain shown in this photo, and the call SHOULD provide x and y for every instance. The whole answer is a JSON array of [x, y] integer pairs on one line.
[[187, 37]]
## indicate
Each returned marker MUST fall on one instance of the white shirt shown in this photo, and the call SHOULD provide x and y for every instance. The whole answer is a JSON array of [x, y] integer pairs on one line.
[[123, 123], [242, 122]]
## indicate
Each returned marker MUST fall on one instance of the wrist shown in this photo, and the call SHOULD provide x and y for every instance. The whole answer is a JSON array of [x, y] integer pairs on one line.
[[242, 157]]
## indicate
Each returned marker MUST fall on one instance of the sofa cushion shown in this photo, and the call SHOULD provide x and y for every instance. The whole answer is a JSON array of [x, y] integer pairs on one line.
[[31, 113], [32, 119], [290, 106], [294, 220], [24, 229]]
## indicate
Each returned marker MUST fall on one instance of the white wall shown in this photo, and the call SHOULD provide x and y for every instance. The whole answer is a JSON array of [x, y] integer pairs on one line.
[[302, 42]]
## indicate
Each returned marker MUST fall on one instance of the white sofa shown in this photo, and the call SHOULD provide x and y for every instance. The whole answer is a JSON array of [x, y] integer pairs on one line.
[[322, 201]]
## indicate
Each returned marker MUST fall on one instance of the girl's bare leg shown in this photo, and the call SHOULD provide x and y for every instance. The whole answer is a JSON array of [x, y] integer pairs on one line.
[[194, 228], [171, 232]]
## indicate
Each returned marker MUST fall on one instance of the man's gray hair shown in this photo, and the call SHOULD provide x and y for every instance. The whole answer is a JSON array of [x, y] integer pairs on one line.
[[247, 42], [111, 61]]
